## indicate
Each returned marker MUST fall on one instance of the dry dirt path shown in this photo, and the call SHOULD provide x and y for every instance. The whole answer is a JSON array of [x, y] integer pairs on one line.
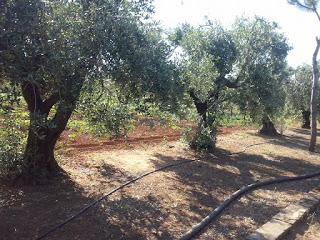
[[165, 204]]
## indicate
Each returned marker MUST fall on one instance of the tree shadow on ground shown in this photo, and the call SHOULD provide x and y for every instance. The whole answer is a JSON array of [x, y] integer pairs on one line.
[[304, 131], [298, 141], [138, 218], [215, 177], [123, 218], [31, 210], [113, 174], [27, 212]]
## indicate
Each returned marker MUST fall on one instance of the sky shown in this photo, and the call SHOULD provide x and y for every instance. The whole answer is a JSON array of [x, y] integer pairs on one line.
[[300, 27]]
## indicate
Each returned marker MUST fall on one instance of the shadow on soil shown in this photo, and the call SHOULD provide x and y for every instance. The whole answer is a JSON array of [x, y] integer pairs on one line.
[[28, 211], [208, 182], [297, 141], [222, 175]]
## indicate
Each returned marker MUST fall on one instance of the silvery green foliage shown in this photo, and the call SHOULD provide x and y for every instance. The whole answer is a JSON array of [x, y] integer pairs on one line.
[[50, 49], [261, 67], [107, 111], [208, 53], [299, 88], [207, 56], [59, 44]]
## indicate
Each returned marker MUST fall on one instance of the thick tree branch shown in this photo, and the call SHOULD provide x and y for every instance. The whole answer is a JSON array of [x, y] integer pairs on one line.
[[314, 9], [316, 51], [194, 97], [298, 3], [202, 107], [303, 6], [31, 94], [235, 84], [317, 13], [49, 102]]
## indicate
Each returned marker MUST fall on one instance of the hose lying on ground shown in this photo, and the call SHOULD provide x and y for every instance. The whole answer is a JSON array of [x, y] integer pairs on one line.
[[214, 215], [53, 229]]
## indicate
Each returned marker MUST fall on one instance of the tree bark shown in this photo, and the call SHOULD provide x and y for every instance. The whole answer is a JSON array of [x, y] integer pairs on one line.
[[313, 102], [306, 119], [201, 107], [268, 127], [38, 161]]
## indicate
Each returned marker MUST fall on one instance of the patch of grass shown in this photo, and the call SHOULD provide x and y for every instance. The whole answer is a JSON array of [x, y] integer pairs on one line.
[[235, 120]]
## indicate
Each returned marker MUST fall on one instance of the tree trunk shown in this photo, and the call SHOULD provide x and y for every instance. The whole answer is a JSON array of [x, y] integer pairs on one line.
[[313, 102], [202, 111], [306, 119], [39, 162], [268, 127], [201, 107]]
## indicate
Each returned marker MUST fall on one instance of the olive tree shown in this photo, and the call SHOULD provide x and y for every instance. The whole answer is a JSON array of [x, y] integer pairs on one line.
[[262, 69], [207, 57], [49, 49], [299, 91]]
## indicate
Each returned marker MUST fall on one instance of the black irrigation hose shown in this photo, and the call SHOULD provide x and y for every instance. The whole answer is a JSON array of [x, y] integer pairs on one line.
[[214, 215], [53, 229]]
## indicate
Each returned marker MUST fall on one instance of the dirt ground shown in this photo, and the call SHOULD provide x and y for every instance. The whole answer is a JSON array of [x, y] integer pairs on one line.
[[308, 229], [166, 204]]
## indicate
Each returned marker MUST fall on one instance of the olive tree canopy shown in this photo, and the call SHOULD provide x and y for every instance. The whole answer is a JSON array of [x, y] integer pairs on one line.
[[49, 49]]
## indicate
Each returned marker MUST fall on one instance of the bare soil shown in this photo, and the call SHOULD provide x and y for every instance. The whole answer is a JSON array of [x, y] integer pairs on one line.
[[165, 204]]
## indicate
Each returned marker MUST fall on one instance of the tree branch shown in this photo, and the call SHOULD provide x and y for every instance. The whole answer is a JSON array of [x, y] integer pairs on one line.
[[31, 94], [315, 11], [49, 102], [194, 97], [233, 84], [315, 54], [303, 6]]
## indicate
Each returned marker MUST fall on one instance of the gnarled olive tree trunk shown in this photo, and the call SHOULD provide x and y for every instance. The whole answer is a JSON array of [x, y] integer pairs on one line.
[[268, 127], [306, 119], [201, 107], [206, 134], [38, 160]]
